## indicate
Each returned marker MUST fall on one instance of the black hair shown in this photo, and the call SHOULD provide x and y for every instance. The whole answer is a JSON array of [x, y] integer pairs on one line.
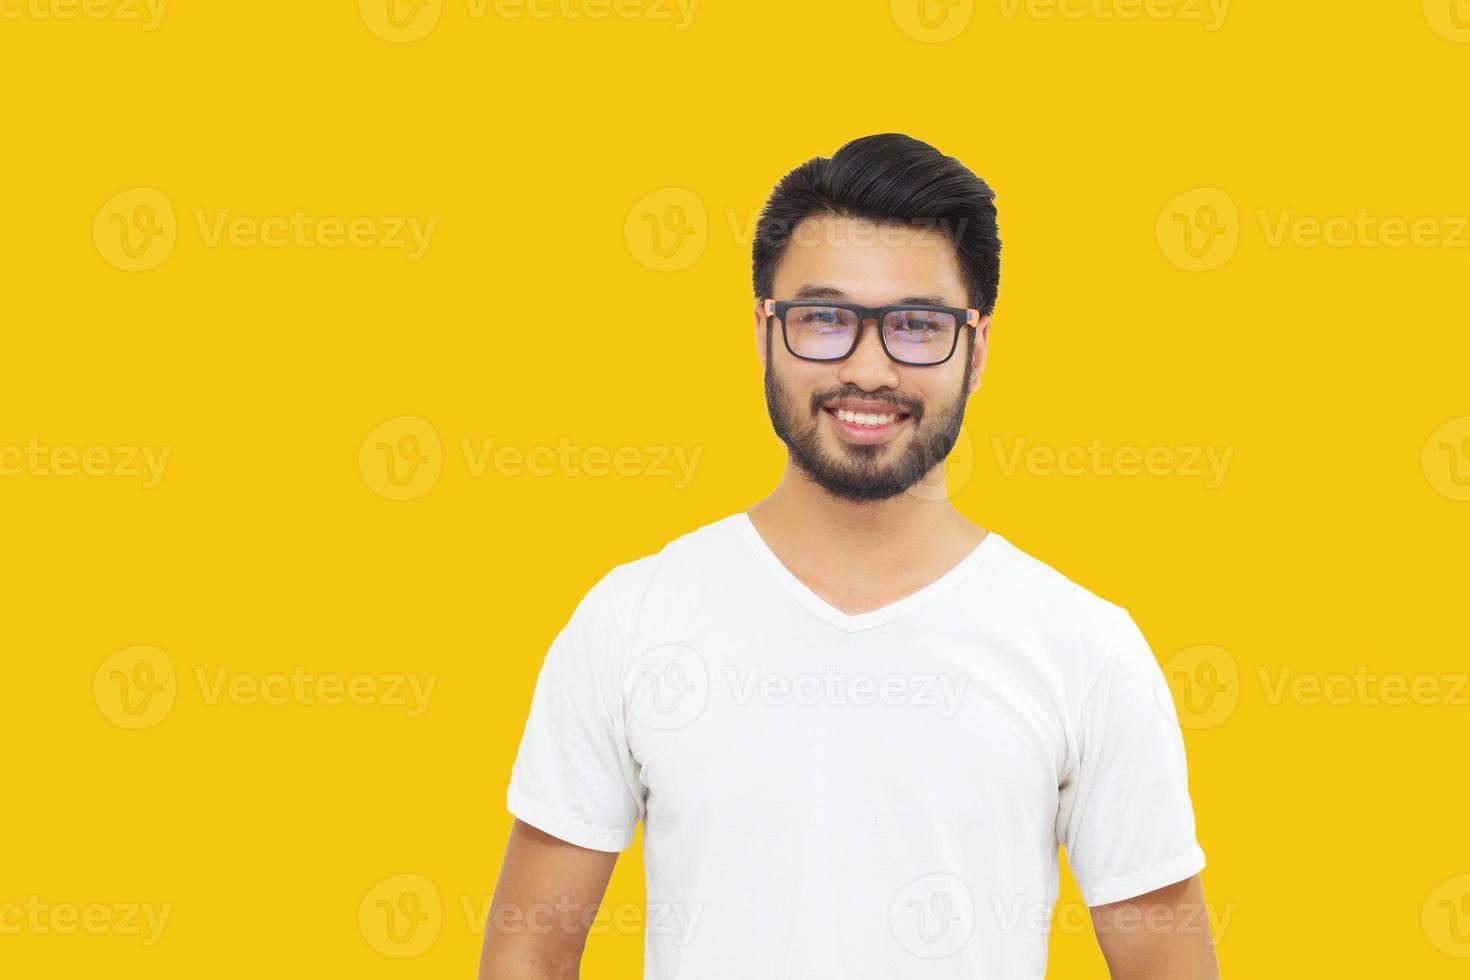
[[886, 178]]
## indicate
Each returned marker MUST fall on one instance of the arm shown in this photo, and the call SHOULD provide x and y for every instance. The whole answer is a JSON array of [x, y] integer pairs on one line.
[[1163, 935], [544, 904]]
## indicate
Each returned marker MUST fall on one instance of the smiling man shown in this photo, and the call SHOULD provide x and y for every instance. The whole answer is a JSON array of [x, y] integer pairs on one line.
[[855, 726]]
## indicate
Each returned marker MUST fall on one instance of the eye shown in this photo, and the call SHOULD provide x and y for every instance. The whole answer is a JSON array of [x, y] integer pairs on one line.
[[820, 319], [917, 325]]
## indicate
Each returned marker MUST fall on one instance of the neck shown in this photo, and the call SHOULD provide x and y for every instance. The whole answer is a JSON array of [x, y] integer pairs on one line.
[[833, 538]]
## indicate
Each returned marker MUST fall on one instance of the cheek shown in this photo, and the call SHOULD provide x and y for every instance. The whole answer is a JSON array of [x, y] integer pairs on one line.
[[802, 379], [934, 391]]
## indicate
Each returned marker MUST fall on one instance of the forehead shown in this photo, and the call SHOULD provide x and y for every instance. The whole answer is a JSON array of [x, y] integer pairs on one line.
[[872, 263]]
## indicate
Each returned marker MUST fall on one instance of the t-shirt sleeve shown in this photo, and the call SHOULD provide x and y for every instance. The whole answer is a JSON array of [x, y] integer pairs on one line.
[[1125, 815], [574, 776]]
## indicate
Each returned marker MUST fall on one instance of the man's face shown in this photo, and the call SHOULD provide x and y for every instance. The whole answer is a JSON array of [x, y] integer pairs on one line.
[[852, 261]]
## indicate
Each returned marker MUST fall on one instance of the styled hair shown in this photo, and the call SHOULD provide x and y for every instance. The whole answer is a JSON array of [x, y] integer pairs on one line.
[[887, 178]]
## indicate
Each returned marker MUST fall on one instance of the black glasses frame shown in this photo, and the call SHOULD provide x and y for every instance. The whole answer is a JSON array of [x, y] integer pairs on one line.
[[778, 308]]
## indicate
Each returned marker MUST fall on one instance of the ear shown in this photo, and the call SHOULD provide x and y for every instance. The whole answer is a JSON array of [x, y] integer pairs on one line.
[[760, 334], [977, 359]]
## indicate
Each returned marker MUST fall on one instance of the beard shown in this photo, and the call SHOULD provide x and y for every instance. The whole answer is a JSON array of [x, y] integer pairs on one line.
[[858, 473]]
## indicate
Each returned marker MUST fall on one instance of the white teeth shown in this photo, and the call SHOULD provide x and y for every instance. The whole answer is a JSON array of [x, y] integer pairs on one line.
[[864, 418]]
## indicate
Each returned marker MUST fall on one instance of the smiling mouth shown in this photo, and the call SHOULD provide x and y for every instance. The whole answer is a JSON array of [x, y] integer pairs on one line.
[[867, 419], [866, 426]]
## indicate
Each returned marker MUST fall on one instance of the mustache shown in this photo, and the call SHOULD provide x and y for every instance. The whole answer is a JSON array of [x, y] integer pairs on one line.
[[906, 405]]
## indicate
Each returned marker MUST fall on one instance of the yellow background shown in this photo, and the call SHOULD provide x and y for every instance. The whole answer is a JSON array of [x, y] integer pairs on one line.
[[547, 149]]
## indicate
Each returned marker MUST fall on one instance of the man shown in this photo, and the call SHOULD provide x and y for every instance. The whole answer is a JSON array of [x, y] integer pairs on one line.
[[855, 725]]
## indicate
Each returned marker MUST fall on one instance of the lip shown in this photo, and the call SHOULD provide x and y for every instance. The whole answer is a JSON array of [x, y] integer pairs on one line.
[[866, 433]]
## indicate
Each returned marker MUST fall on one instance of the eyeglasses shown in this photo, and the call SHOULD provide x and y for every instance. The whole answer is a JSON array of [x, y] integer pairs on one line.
[[923, 335]]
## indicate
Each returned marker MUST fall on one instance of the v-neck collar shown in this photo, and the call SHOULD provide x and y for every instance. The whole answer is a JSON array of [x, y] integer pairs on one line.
[[824, 610]]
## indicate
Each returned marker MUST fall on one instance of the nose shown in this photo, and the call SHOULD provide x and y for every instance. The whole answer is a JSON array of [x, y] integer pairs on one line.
[[869, 366]]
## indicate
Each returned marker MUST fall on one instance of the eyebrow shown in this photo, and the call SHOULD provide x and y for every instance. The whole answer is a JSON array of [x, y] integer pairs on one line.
[[837, 295]]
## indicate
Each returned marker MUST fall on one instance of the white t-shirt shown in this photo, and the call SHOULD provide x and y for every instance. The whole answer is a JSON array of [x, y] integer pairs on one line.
[[879, 795]]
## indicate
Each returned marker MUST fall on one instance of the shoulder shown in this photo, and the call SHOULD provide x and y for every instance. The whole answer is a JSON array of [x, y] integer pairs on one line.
[[1080, 626], [1042, 588], [1083, 641], [694, 549], [660, 578]]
